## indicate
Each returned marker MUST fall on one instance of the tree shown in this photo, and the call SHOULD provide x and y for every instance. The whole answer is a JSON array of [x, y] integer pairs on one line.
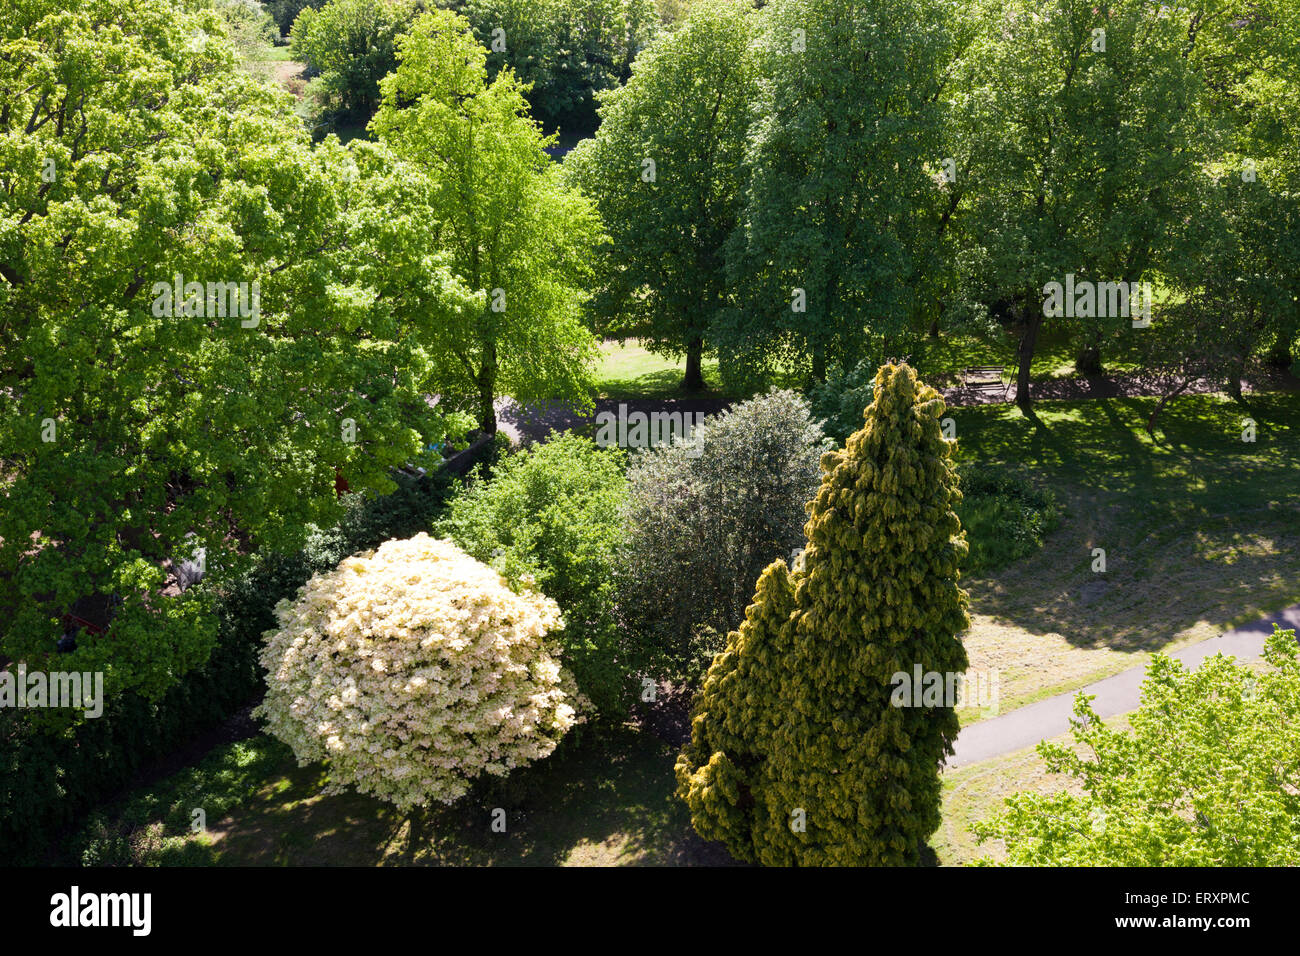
[[841, 202], [414, 669], [285, 12], [352, 45], [1206, 776], [566, 51], [134, 415], [1075, 94], [800, 752], [1244, 247], [704, 517], [518, 237], [664, 266]]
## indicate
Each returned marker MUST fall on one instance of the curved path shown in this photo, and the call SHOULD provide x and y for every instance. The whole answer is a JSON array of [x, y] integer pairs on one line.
[[1026, 726]]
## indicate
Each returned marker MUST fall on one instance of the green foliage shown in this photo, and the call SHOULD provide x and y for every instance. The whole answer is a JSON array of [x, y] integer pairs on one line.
[[518, 238], [154, 827], [1206, 776], [663, 272], [352, 45], [1075, 94], [840, 203], [797, 754], [1005, 517], [566, 51], [249, 24], [127, 425], [551, 513], [285, 12], [49, 781], [704, 517]]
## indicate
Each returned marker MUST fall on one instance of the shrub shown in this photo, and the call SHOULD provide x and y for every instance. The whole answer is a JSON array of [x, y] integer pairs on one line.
[[841, 400], [412, 670], [705, 517], [1005, 517], [799, 713], [552, 513]]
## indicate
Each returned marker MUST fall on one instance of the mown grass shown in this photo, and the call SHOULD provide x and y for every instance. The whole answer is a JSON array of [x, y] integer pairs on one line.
[[1201, 532], [978, 791], [627, 370]]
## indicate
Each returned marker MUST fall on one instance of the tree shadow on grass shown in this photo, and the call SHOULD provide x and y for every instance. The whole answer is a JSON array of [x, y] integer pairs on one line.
[[1201, 528], [606, 801]]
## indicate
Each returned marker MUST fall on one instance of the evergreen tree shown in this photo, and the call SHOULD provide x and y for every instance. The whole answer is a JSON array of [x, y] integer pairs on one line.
[[799, 754]]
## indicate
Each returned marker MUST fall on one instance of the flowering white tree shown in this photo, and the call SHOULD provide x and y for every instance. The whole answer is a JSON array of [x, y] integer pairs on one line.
[[412, 670]]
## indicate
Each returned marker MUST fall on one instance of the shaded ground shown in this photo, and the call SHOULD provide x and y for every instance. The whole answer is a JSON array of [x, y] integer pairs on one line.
[[1125, 384], [607, 800], [534, 422], [1201, 532]]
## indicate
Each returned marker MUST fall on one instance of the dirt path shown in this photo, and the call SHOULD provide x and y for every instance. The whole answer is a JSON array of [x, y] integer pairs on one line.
[[1026, 726], [1116, 386], [530, 423]]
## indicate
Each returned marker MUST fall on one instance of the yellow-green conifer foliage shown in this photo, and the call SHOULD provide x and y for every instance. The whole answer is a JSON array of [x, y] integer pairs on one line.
[[797, 755]]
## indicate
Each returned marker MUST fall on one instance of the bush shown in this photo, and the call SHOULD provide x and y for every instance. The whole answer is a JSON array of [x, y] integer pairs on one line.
[[552, 513], [1005, 517], [705, 517], [841, 400], [412, 670]]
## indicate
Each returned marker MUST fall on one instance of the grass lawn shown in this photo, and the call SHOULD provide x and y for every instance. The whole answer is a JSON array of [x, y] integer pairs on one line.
[[973, 793], [628, 370], [1201, 532], [608, 801], [1054, 356]]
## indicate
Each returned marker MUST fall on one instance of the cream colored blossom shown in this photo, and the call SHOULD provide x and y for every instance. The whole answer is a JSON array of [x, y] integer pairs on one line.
[[414, 669]]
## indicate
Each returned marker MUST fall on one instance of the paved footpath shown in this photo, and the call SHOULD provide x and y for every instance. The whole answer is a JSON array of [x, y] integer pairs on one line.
[[1026, 726]]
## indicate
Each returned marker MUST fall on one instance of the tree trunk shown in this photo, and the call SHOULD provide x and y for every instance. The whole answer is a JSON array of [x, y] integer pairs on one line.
[[487, 380], [1087, 361], [1235, 370], [1028, 342], [694, 379], [819, 363]]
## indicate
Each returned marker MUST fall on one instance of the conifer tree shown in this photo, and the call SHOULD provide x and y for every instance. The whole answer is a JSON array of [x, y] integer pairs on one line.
[[799, 755]]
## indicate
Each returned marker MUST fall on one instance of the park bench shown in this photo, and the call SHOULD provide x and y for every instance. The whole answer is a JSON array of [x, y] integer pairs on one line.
[[986, 379]]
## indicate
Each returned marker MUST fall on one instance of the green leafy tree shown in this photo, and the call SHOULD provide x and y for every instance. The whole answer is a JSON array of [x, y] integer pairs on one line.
[[839, 213], [352, 45], [664, 267], [566, 51], [1243, 247], [1205, 776], [1077, 96], [285, 12], [516, 235], [799, 752], [135, 151], [552, 513]]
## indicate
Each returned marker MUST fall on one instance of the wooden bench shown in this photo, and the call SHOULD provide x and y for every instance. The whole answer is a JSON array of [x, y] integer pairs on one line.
[[986, 379]]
